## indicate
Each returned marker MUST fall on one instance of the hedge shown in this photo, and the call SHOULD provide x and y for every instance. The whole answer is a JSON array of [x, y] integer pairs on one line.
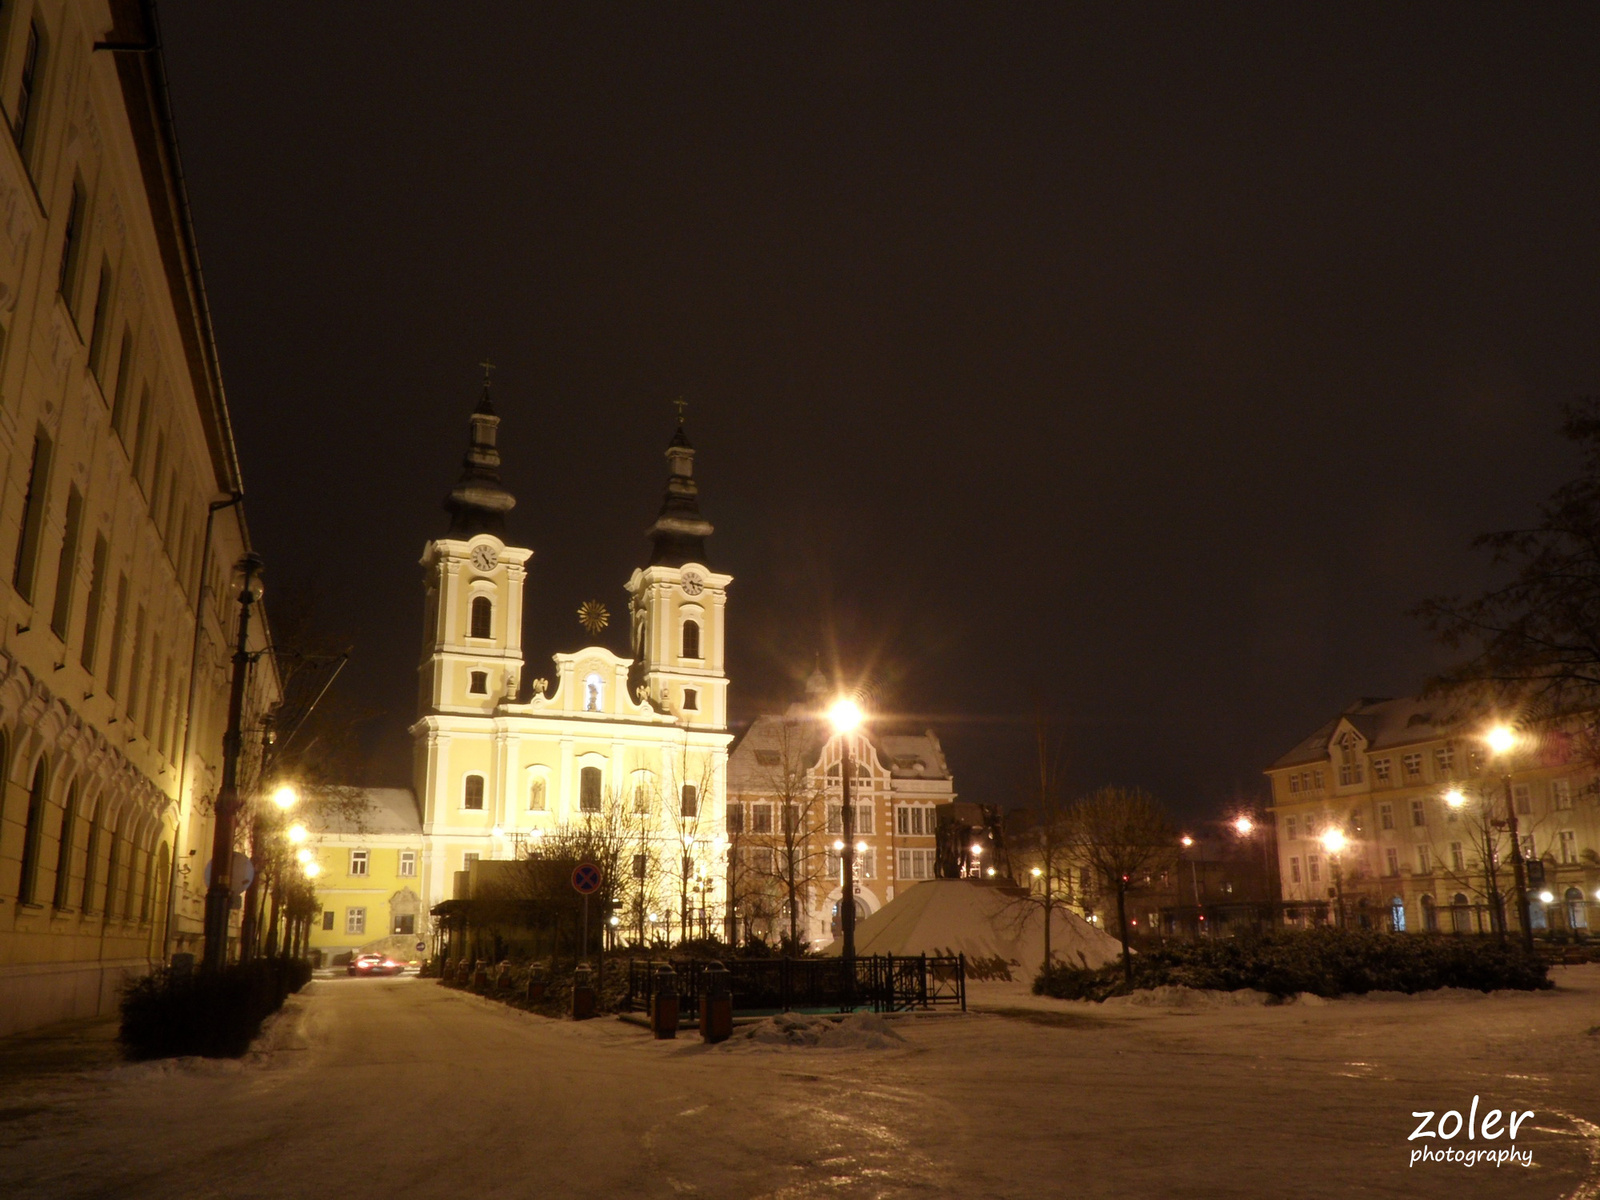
[[167, 1014]]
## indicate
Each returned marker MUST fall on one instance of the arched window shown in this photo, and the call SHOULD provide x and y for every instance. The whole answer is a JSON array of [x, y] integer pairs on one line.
[[113, 853], [69, 820], [1577, 911], [91, 856], [32, 835], [1430, 915], [691, 639], [163, 873], [145, 894], [536, 794], [1397, 914], [472, 792], [1460, 914], [482, 617], [589, 790], [591, 694]]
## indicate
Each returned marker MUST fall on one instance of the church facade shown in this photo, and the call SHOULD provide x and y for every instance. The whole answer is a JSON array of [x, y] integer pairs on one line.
[[506, 754]]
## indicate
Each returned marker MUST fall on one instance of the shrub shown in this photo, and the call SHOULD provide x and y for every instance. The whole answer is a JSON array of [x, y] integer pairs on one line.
[[1324, 962], [215, 1015]]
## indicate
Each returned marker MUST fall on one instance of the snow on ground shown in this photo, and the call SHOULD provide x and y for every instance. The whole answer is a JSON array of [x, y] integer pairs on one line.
[[401, 1088]]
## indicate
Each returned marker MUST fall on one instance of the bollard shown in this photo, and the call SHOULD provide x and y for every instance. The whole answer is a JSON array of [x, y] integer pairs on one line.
[[664, 1004], [480, 977], [716, 1005], [503, 983], [535, 985], [583, 993]]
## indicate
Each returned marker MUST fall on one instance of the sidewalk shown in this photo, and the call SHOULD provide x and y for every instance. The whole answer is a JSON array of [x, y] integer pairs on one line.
[[55, 1052]]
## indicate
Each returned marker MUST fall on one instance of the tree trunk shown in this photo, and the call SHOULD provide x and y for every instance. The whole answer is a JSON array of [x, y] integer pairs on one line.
[[1122, 921]]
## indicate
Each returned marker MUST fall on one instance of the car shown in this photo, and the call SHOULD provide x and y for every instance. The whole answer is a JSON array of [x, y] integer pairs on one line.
[[374, 964]]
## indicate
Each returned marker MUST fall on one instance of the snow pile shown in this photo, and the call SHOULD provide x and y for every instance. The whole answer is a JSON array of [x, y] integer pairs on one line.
[[857, 1031], [958, 916], [1169, 996]]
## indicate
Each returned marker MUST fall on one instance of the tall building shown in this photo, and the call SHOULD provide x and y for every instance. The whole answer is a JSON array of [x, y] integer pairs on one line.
[[1410, 786], [504, 758], [115, 445]]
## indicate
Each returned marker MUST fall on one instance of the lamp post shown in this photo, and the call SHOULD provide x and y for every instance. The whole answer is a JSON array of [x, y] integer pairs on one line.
[[1334, 842], [1502, 740], [220, 892], [846, 716], [1194, 878]]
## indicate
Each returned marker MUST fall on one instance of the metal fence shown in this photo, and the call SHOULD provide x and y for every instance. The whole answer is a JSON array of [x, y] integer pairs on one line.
[[881, 983]]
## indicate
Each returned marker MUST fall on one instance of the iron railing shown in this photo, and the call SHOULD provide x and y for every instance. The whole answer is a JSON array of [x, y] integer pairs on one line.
[[881, 983]]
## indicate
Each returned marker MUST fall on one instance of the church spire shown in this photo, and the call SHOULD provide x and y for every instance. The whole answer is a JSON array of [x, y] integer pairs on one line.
[[680, 532], [478, 503]]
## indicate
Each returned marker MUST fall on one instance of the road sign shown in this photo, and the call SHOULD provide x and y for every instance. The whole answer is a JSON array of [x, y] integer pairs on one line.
[[586, 879], [243, 872]]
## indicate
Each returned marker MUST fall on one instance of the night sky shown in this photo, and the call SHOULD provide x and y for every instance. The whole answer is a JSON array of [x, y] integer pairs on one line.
[[1140, 363]]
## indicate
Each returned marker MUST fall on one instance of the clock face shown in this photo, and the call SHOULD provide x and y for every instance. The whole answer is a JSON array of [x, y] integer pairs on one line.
[[693, 585], [484, 557]]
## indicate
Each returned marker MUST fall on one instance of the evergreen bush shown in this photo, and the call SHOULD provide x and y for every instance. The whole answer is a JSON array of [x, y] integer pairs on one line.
[[167, 1014]]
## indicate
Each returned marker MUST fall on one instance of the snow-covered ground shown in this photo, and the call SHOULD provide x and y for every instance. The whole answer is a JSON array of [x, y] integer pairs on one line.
[[379, 1087]]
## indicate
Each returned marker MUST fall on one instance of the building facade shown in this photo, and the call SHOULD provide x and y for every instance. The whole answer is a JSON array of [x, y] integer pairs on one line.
[[1422, 803], [369, 860], [639, 743], [115, 443], [785, 817]]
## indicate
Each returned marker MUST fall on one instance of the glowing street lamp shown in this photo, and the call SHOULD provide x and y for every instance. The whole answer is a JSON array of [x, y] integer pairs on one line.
[[1187, 841], [1455, 798], [303, 856], [286, 797], [846, 717], [1502, 740], [1244, 826], [313, 870], [1334, 841], [298, 833]]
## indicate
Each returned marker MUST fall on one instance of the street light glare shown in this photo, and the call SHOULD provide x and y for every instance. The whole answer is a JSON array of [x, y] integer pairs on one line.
[[286, 797], [1245, 826], [1036, 872], [303, 856], [297, 833], [313, 870], [977, 850], [1186, 840], [1455, 798], [845, 715], [1501, 739], [1547, 897], [1333, 840]]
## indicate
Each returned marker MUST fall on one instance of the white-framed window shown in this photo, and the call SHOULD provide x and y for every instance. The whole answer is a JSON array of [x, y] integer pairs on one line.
[[866, 864], [1567, 845], [1310, 825], [1314, 867], [1458, 860], [1444, 761], [1391, 860], [864, 817], [1294, 782], [916, 864], [479, 683], [691, 639], [734, 818], [1385, 816], [358, 862], [1316, 779], [691, 700], [467, 859], [1424, 860], [1561, 793], [761, 818], [1291, 827], [1413, 766], [1419, 815], [1350, 768], [1294, 868], [1382, 769], [482, 623], [355, 920], [472, 792], [408, 864], [1528, 850], [1522, 797]]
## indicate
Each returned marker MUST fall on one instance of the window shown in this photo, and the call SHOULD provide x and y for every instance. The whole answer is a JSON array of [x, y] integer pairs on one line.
[[690, 799], [405, 923], [1430, 914], [1522, 795], [1357, 823], [589, 790], [768, 758], [355, 920], [468, 859], [1391, 861], [69, 818], [472, 792], [119, 404], [691, 639], [97, 599], [641, 798], [759, 860], [591, 694], [482, 625], [1561, 793], [21, 125], [537, 800], [1291, 828], [735, 817], [866, 864], [1413, 765], [408, 864], [1567, 840], [358, 862], [1424, 861], [1350, 769], [71, 242], [1577, 911], [1381, 769], [1397, 914], [327, 920], [691, 700], [761, 818], [1294, 783], [1419, 814], [67, 565], [641, 865], [1316, 779], [33, 502], [864, 817], [33, 835], [1386, 816], [1458, 861], [1528, 850], [480, 683], [102, 318], [835, 818], [1314, 867], [1444, 761], [1294, 869], [916, 864], [1310, 825]]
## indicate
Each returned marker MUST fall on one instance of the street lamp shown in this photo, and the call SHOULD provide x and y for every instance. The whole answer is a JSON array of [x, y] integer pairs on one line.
[[1244, 826], [1334, 842], [1194, 878], [1502, 740], [286, 797], [297, 833], [846, 718]]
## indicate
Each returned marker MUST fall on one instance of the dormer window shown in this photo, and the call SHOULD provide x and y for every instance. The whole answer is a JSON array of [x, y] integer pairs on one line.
[[1351, 769], [691, 700], [479, 685], [691, 639], [482, 617], [591, 694]]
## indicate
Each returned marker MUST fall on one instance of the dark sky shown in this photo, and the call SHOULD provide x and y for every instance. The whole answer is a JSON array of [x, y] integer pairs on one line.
[[1143, 362]]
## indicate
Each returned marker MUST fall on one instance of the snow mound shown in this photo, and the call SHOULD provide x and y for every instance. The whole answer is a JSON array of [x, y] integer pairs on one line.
[[857, 1031], [1185, 997]]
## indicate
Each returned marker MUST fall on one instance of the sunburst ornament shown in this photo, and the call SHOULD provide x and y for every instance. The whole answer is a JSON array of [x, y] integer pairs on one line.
[[593, 616]]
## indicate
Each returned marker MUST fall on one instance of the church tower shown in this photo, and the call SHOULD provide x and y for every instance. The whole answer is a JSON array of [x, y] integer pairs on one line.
[[677, 605], [472, 624]]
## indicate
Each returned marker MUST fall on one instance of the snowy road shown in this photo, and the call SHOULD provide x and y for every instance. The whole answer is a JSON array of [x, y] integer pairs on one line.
[[402, 1088]]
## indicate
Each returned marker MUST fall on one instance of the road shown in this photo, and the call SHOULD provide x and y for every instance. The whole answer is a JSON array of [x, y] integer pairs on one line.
[[403, 1088]]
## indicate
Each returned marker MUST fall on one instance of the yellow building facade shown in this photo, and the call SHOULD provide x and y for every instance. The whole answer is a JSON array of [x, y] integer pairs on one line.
[[115, 443], [369, 877]]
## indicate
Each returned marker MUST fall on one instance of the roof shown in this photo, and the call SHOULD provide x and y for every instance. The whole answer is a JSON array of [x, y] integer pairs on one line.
[[385, 811], [1386, 724], [800, 734]]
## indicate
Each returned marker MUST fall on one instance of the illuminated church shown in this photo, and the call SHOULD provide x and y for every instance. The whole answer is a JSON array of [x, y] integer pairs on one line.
[[506, 752]]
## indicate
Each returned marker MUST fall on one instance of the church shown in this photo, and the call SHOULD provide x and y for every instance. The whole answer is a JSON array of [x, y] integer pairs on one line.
[[505, 754]]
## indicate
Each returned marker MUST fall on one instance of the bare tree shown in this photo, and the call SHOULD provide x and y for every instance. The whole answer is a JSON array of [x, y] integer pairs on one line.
[[790, 834], [1045, 836], [1120, 834]]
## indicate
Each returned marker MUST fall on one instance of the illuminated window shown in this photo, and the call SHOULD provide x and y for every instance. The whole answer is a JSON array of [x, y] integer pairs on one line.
[[691, 639], [472, 792], [482, 617]]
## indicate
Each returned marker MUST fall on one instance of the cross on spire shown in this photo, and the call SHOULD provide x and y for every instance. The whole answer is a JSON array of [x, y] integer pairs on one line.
[[488, 369], [680, 403]]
